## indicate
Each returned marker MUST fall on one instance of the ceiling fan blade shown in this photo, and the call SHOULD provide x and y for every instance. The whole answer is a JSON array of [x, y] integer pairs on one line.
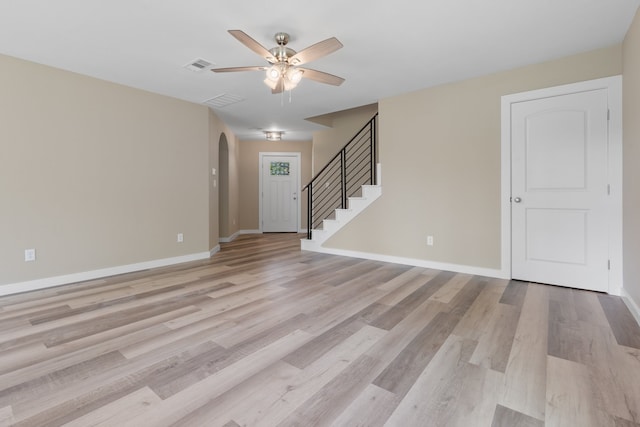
[[246, 40], [279, 87], [316, 51], [322, 77], [234, 69]]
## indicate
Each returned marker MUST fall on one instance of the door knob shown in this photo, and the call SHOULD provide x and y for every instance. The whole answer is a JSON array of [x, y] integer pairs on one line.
[[517, 200]]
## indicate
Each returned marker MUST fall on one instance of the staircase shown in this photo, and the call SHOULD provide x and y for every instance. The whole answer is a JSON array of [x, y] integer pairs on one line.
[[343, 188]]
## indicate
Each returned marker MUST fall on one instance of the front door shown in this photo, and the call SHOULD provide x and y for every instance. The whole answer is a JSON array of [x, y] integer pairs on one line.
[[280, 184], [559, 188]]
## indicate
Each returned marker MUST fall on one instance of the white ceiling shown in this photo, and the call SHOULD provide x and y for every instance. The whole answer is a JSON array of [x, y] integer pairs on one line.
[[390, 47]]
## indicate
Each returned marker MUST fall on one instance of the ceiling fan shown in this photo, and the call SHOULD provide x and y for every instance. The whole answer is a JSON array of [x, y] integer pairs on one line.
[[284, 72]]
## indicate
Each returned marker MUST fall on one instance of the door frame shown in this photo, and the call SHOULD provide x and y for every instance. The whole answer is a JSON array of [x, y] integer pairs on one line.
[[613, 85], [261, 156]]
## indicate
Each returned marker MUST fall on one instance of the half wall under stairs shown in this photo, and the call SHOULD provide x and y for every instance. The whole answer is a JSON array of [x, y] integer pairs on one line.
[[355, 205]]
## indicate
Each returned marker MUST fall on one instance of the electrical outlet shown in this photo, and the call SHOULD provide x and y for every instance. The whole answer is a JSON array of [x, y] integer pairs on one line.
[[180, 238], [29, 255], [429, 240]]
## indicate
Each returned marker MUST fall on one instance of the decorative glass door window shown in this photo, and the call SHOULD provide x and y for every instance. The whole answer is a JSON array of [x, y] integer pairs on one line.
[[279, 168]]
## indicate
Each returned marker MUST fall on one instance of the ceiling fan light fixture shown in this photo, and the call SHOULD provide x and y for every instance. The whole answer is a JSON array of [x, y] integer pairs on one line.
[[289, 85], [273, 73], [294, 74], [271, 83]]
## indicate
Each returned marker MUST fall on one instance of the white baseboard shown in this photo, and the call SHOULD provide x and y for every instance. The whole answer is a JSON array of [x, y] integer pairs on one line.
[[49, 282], [457, 268], [229, 239], [631, 304], [214, 251], [250, 231], [235, 235]]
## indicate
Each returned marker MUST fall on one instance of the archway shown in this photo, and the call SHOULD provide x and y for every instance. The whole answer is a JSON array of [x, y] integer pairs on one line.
[[223, 187]]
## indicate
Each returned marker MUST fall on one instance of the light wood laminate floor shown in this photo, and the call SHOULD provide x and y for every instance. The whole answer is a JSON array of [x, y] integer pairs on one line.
[[266, 335]]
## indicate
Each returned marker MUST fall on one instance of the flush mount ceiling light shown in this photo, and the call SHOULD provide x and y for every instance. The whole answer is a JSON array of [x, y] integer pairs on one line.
[[273, 135], [283, 72]]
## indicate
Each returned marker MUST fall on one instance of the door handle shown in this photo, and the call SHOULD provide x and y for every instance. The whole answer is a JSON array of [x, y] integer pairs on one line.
[[517, 200]]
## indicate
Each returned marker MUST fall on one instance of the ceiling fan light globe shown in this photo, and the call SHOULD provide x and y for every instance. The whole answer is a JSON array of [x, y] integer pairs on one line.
[[273, 73], [294, 75], [289, 85], [271, 83]]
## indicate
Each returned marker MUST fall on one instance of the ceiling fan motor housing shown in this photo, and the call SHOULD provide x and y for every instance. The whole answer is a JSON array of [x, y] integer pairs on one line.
[[281, 53]]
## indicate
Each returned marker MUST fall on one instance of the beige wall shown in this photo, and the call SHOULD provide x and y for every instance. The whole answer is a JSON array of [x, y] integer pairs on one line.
[[343, 126], [249, 178], [224, 185], [440, 155], [631, 170], [96, 175], [234, 187]]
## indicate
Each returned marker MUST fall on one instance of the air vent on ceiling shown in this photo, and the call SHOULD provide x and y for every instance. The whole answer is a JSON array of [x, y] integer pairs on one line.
[[223, 100], [198, 65]]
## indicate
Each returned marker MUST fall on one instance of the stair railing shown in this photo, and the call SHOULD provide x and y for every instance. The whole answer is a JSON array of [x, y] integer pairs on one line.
[[351, 168]]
